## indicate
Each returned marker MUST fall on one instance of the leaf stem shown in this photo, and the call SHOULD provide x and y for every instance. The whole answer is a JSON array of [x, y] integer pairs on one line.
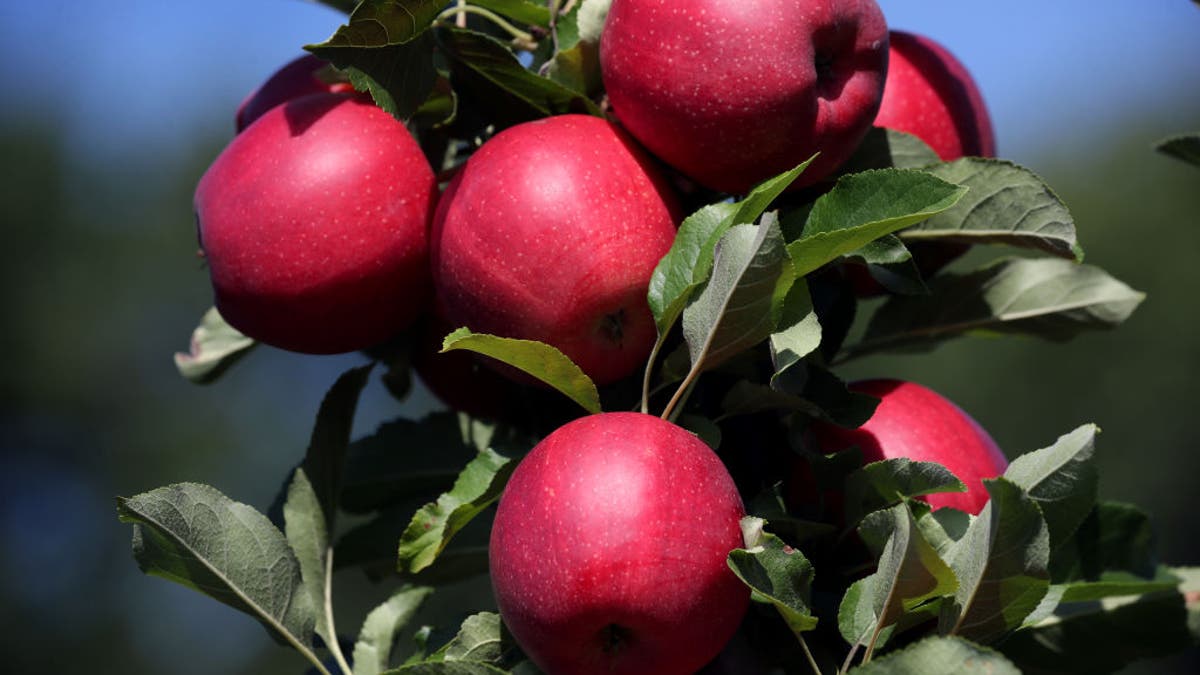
[[849, 658], [524, 38], [685, 388], [334, 647], [647, 377], [808, 654]]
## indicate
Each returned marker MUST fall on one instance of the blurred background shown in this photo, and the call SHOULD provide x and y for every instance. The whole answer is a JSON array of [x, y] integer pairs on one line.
[[111, 111]]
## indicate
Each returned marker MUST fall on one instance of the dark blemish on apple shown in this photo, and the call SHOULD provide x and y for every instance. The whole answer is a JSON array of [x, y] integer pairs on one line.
[[613, 638], [612, 327]]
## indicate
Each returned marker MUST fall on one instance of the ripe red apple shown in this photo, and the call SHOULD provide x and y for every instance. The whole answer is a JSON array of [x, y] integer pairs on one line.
[[931, 95], [915, 422], [551, 232], [313, 222], [731, 92], [608, 552], [298, 78]]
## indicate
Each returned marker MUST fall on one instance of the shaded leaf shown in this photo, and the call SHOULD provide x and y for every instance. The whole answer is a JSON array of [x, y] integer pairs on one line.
[[524, 11], [881, 484], [379, 23], [399, 77], [798, 331], [1001, 564], [432, 527], [886, 149], [1050, 298], [538, 359], [447, 668], [865, 206], [214, 347], [1114, 537], [891, 265], [940, 656], [377, 637], [776, 573], [197, 537], [1006, 204], [1185, 148]]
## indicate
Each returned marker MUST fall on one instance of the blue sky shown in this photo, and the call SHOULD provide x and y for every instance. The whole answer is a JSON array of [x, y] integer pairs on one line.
[[144, 73]]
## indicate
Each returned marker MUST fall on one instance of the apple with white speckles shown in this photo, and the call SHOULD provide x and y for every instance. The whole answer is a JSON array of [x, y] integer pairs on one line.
[[314, 222], [732, 92], [550, 232], [608, 552]]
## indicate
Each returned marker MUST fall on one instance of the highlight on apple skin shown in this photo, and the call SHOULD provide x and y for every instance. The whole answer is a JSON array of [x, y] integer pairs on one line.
[[608, 552], [550, 232], [917, 423], [313, 223], [731, 92]]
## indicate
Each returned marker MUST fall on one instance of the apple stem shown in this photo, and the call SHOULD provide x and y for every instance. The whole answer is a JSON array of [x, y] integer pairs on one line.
[[459, 12]]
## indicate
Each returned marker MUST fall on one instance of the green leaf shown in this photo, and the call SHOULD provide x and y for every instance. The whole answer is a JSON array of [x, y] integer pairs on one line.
[[1063, 480], [1006, 204], [447, 668], [798, 332], [825, 395], [866, 206], [380, 23], [890, 263], [434, 525], [481, 639], [776, 573], [881, 484], [689, 262], [325, 460], [525, 11], [215, 346], [399, 77], [940, 656], [1092, 631], [1001, 564], [733, 312], [909, 573], [1114, 537], [376, 638], [1050, 298], [197, 537], [495, 67], [944, 527], [887, 149], [538, 359], [1185, 148]]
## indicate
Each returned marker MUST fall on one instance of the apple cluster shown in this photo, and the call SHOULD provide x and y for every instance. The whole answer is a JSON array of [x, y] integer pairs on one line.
[[324, 231]]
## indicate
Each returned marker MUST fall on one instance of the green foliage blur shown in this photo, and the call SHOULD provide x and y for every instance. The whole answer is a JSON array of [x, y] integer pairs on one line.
[[101, 284]]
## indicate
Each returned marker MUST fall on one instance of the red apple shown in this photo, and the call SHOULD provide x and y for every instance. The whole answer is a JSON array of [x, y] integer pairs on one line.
[[930, 94], [915, 422], [298, 78], [313, 222], [731, 92], [551, 232], [608, 552]]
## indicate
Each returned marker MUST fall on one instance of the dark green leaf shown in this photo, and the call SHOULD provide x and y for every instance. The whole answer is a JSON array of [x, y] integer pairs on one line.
[[497, 68], [1001, 565], [1063, 480], [478, 486], [943, 527], [481, 639], [881, 484], [197, 537], [325, 460], [1114, 537], [341, 5], [372, 651], [379, 23], [891, 265], [1185, 148], [866, 206], [400, 77], [733, 311], [1006, 204], [940, 656], [215, 346], [1050, 298], [538, 359], [447, 668], [776, 573], [827, 395], [909, 573]]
